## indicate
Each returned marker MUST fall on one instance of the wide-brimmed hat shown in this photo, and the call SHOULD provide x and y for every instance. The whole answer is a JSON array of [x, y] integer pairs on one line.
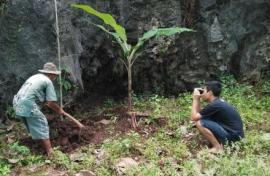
[[50, 68]]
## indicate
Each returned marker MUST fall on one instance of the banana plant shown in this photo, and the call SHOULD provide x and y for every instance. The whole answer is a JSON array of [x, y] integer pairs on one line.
[[130, 53]]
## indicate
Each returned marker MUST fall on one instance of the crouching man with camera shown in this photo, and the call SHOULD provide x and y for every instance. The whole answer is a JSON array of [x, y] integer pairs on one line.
[[218, 122]]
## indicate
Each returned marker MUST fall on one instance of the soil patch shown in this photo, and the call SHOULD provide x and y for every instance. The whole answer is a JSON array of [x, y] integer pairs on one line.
[[65, 135]]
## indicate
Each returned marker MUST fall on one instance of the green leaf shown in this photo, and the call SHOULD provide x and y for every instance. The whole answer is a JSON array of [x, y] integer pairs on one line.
[[107, 19], [156, 32], [67, 68], [67, 86], [126, 47]]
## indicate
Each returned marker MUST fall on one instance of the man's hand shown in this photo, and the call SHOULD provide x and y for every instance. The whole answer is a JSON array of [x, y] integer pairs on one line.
[[61, 111], [54, 106], [196, 93], [195, 115]]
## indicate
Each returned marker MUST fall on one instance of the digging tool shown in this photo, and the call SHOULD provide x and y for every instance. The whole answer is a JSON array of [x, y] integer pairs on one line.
[[74, 120]]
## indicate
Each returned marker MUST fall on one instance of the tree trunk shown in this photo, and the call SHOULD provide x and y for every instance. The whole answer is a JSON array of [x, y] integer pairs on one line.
[[129, 86]]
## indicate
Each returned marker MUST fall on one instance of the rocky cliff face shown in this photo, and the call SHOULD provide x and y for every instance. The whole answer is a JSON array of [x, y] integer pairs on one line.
[[238, 36], [232, 36]]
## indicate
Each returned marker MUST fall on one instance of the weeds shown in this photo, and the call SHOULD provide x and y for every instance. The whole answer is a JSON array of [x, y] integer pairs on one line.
[[60, 159], [10, 113], [16, 155], [122, 146], [5, 168]]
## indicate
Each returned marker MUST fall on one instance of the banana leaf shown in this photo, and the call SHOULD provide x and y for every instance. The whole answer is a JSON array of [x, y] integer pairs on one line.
[[126, 47], [156, 32], [107, 19]]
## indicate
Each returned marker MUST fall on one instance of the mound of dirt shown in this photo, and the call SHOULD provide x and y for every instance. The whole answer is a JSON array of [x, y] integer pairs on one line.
[[68, 137]]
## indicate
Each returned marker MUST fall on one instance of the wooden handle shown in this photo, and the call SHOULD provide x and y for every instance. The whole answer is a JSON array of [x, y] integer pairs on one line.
[[74, 120]]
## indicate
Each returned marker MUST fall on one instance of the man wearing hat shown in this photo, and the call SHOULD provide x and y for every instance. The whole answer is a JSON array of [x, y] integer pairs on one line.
[[38, 89]]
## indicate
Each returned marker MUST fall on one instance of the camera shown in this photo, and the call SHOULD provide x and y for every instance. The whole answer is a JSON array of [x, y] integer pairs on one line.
[[200, 90]]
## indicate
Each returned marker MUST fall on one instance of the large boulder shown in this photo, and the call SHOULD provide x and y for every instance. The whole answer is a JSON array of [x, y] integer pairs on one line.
[[231, 37]]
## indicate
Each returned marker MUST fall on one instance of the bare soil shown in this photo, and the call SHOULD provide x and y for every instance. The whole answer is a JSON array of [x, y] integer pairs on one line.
[[65, 135]]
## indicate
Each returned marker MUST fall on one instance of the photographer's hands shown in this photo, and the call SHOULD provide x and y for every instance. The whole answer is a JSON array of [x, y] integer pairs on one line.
[[195, 115], [197, 93]]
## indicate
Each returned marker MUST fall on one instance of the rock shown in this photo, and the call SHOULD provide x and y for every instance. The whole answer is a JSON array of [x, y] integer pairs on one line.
[[266, 137], [13, 161], [206, 4], [76, 156], [99, 153], [85, 173], [125, 164], [183, 130], [104, 122], [215, 33]]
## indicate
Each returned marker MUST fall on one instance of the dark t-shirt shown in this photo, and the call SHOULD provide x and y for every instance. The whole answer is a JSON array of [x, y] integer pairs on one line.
[[225, 115]]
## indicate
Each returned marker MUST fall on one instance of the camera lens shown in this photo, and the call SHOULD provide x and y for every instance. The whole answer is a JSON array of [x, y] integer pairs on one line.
[[201, 91]]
